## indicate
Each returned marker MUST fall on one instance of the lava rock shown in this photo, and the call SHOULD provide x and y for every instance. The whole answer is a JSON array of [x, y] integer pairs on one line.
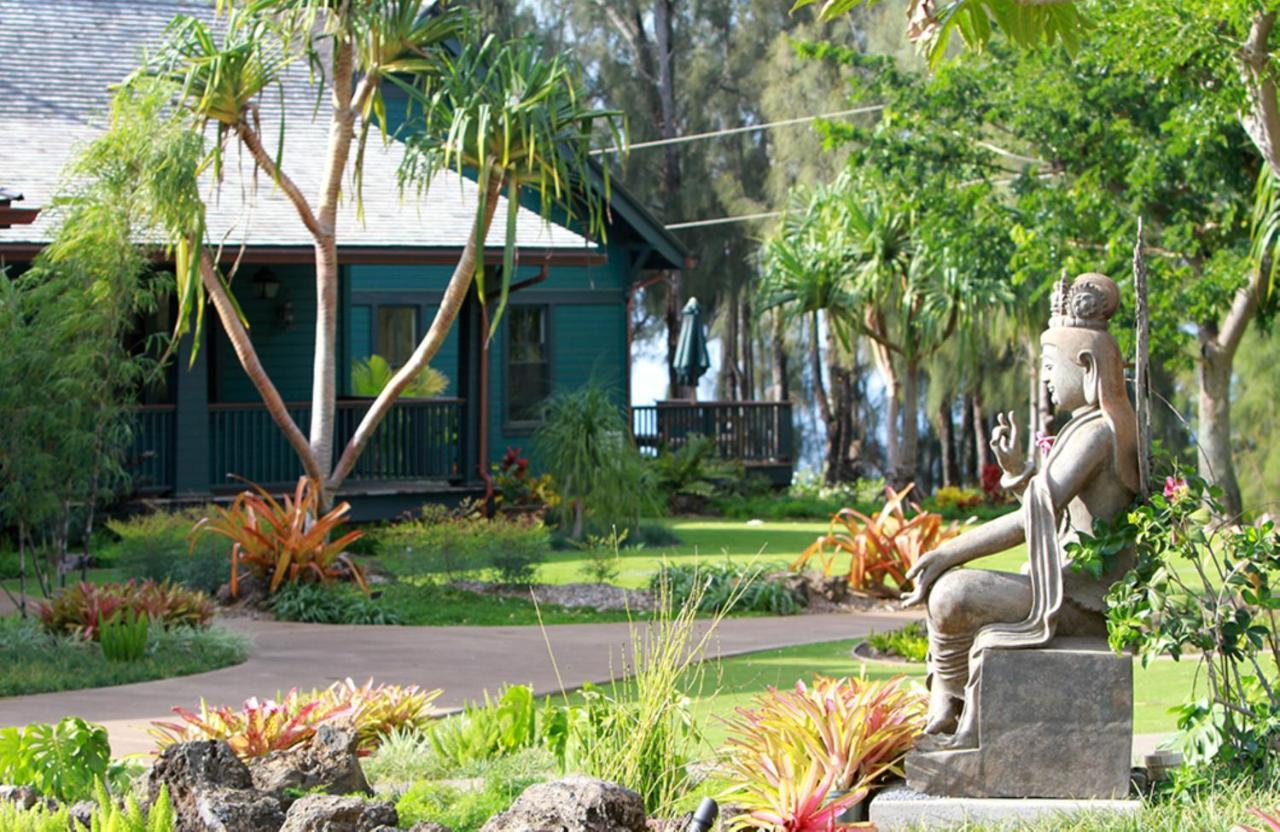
[[327, 762], [331, 813], [25, 797], [81, 812], [573, 804], [211, 790]]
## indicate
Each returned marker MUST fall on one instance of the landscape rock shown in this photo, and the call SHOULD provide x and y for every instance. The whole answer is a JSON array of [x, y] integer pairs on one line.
[[211, 790], [24, 796], [332, 813], [327, 761], [573, 804], [81, 812], [429, 826]]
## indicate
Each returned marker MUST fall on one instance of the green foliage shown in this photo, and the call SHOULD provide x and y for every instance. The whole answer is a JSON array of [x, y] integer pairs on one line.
[[79, 609], [123, 636], [728, 587], [155, 546], [424, 603], [325, 604], [107, 816], [497, 728], [695, 469], [1206, 592], [507, 547], [36, 661], [587, 448], [464, 811], [61, 761], [370, 376], [602, 565], [909, 642], [1096, 554]]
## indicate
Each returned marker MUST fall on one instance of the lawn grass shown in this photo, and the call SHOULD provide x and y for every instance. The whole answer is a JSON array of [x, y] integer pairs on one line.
[[32, 661]]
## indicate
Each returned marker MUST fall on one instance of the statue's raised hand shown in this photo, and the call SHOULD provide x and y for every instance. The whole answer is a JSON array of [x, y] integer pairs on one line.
[[1004, 442]]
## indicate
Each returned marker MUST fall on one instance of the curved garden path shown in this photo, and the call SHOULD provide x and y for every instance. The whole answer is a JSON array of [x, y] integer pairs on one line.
[[464, 661]]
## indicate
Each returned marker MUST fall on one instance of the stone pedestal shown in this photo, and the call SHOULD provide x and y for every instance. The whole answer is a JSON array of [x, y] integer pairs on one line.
[[900, 809], [1055, 722]]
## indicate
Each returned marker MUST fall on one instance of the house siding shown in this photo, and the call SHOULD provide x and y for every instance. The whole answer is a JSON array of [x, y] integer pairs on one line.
[[285, 352]]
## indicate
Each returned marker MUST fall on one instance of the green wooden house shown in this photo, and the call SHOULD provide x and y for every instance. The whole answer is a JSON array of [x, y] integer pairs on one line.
[[567, 322]]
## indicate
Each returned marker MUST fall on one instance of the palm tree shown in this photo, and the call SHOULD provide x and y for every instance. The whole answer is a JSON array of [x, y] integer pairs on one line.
[[500, 109]]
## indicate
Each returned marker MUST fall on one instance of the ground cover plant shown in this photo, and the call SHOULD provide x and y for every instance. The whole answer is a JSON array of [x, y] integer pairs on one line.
[[36, 661], [729, 587], [910, 642], [325, 604], [454, 545], [108, 815]]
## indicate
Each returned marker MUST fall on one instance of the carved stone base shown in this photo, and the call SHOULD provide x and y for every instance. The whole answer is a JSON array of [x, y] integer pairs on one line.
[[1055, 722], [899, 809]]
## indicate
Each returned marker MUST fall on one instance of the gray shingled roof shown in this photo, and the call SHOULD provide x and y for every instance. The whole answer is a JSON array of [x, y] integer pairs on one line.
[[57, 58]]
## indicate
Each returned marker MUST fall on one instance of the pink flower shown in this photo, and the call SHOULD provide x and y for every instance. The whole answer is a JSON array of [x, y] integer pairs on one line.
[[1044, 441], [1175, 488]]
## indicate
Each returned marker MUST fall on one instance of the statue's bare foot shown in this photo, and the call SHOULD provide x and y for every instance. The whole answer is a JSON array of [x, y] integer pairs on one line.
[[944, 711]]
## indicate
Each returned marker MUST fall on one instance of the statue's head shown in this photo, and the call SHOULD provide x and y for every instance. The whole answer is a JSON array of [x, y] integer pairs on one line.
[[1082, 363]]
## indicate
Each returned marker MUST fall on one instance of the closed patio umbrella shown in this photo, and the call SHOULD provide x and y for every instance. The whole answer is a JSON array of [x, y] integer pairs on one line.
[[691, 359]]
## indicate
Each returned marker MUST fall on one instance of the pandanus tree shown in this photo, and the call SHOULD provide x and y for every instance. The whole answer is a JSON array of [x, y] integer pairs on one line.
[[499, 111]]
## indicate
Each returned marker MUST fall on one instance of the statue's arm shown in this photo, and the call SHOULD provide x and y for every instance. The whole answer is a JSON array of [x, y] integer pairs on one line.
[[991, 537]]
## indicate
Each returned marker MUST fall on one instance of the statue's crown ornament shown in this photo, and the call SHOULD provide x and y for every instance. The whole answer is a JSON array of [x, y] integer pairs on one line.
[[1088, 302]]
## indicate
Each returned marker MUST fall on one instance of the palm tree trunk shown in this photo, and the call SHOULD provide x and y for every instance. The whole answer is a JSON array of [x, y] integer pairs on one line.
[[454, 296], [968, 463], [748, 351], [910, 424], [781, 388], [946, 439], [893, 399]]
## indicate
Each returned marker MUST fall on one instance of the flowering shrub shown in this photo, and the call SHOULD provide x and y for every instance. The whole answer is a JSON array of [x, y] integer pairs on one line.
[[953, 498], [879, 548], [791, 749], [991, 475], [78, 609], [517, 488], [283, 540], [261, 726]]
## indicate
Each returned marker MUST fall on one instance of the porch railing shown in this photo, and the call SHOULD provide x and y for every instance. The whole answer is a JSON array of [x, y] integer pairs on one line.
[[150, 459], [420, 439], [751, 432]]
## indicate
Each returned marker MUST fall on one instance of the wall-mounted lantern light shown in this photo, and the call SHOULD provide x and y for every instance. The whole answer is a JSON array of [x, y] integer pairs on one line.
[[265, 284]]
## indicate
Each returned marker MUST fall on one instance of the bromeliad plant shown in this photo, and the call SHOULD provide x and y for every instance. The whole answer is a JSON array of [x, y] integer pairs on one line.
[[261, 726], [289, 541], [80, 609], [801, 757], [880, 548]]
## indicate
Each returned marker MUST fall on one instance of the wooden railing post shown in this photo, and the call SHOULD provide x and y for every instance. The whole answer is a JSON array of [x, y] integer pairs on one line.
[[191, 421]]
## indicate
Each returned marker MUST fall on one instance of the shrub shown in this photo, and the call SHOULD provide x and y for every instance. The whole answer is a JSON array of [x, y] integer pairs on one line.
[[879, 548], [280, 541], [509, 548], [694, 473], [123, 637], [517, 487], [952, 498], [745, 586], [807, 498], [602, 565], [587, 448], [323, 604], [262, 726], [78, 609], [910, 642], [791, 749], [1207, 591], [156, 546], [61, 761]]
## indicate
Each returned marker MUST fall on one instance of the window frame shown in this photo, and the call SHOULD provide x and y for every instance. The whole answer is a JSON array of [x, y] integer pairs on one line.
[[524, 427]]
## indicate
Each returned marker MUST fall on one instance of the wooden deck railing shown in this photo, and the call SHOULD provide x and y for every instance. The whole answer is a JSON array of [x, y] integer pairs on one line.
[[751, 432], [420, 439]]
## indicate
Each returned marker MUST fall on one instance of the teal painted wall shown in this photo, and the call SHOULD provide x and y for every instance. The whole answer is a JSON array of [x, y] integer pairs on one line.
[[286, 351], [400, 285]]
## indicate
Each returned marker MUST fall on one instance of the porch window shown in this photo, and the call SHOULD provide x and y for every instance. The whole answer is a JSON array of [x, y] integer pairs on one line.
[[528, 365], [396, 334]]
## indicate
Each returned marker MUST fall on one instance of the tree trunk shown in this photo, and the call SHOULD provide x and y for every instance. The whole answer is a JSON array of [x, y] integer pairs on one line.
[[946, 440], [893, 403], [781, 388], [730, 372], [968, 463], [455, 294], [840, 429], [910, 424], [748, 383], [673, 333], [980, 448]]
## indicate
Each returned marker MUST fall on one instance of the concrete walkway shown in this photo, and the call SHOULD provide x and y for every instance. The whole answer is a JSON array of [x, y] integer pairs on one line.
[[464, 661]]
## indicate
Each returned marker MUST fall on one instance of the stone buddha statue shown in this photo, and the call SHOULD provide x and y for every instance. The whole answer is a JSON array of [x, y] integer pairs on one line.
[[1089, 473]]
